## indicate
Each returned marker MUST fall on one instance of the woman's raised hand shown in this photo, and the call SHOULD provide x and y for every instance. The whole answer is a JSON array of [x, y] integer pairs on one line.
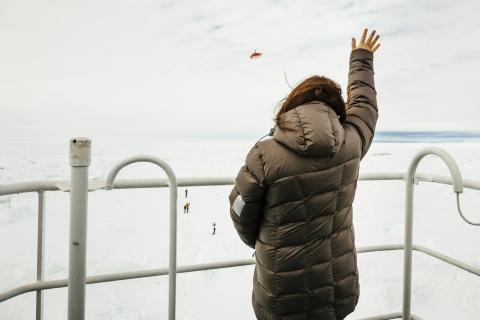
[[369, 44]]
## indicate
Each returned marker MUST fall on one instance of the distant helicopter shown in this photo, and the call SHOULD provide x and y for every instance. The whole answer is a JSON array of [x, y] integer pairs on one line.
[[255, 55]]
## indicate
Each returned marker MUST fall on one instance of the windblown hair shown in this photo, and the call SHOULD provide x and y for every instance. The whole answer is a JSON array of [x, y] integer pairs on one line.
[[315, 88]]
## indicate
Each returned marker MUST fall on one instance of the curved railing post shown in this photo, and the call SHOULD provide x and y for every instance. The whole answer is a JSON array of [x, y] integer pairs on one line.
[[407, 258], [172, 181], [80, 154]]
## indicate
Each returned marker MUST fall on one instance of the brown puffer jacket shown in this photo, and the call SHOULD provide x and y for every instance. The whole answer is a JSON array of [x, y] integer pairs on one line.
[[292, 202]]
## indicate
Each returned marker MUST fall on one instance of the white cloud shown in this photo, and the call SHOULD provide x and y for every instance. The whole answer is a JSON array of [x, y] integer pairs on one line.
[[183, 65]]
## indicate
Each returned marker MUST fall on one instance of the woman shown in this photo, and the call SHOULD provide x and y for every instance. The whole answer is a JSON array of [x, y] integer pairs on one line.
[[292, 200]]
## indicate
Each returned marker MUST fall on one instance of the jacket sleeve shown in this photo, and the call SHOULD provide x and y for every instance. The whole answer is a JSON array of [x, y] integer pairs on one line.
[[362, 111], [247, 198]]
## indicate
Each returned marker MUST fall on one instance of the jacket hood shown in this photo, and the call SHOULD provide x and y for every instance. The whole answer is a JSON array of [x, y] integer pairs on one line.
[[312, 130]]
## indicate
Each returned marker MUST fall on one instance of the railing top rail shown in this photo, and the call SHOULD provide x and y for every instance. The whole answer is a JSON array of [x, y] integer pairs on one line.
[[64, 185]]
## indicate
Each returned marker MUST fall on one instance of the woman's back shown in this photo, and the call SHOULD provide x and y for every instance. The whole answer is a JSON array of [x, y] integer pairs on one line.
[[293, 199]]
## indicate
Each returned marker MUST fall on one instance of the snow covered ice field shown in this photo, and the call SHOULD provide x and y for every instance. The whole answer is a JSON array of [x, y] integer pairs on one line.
[[128, 230]]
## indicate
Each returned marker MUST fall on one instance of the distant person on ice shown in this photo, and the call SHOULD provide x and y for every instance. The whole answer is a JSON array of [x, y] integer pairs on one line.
[[185, 208], [292, 200], [186, 193], [214, 225], [188, 206]]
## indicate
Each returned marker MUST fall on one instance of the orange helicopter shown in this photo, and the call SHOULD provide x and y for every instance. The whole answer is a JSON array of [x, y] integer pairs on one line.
[[255, 55]]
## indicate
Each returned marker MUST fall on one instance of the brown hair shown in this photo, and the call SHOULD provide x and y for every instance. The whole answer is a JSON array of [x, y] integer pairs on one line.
[[315, 88]]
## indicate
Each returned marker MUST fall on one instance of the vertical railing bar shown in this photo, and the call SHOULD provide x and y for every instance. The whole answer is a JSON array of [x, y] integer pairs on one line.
[[408, 239], [172, 283], [80, 155], [40, 252]]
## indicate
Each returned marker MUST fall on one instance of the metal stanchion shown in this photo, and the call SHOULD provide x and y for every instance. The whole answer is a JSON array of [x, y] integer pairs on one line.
[[40, 253], [79, 161]]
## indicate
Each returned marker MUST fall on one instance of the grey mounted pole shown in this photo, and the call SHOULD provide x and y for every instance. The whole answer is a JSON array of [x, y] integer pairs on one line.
[[80, 150], [407, 254]]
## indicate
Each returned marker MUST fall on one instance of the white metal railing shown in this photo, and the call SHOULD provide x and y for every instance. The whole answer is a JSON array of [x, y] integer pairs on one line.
[[79, 185]]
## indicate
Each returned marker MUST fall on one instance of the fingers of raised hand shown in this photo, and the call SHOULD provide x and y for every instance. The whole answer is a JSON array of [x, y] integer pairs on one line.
[[364, 36], [370, 38], [372, 43], [369, 43]]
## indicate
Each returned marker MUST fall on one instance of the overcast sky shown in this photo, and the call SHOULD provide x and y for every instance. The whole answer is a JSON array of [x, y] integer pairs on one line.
[[183, 67]]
